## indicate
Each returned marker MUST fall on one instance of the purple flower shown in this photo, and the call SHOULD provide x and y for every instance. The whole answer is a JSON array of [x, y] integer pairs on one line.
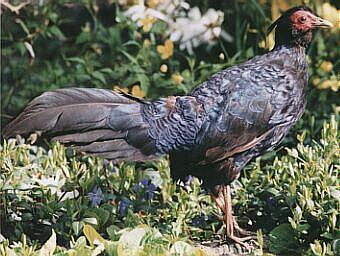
[[144, 182], [152, 187], [190, 179], [123, 205], [198, 220], [95, 196], [135, 188], [105, 163], [150, 191], [188, 182]]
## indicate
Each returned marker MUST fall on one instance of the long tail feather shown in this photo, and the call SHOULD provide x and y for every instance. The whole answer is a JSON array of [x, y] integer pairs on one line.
[[95, 121]]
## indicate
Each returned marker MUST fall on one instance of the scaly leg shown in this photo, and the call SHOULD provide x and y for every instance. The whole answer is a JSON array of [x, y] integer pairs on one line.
[[223, 201]]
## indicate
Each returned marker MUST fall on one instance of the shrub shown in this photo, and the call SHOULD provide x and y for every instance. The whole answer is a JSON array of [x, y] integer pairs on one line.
[[295, 200]]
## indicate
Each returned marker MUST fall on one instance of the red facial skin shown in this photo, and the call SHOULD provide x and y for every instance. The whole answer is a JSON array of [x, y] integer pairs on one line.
[[303, 20]]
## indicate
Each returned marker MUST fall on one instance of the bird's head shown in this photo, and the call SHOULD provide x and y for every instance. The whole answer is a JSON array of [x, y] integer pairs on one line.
[[295, 26]]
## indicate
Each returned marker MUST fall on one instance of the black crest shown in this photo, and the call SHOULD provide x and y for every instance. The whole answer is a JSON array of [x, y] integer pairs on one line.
[[283, 19]]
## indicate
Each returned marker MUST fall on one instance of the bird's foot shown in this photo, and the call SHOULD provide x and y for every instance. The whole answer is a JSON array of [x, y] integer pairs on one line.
[[242, 231], [223, 201], [233, 227], [242, 241]]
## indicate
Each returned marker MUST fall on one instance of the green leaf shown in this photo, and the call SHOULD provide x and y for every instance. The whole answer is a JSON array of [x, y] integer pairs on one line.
[[132, 241], [99, 76], [83, 77], [130, 57], [55, 31], [282, 239], [131, 42], [83, 37], [76, 59], [108, 71], [92, 221], [336, 246], [144, 82], [77, 226], [100, 214], [112, 232], [303, 228], [185, 249], [92, 235]]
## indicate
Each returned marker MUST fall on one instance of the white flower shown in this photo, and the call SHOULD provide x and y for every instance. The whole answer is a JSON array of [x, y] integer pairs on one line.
[[195, 29], [136, 12], [52, 183], [186, 26]]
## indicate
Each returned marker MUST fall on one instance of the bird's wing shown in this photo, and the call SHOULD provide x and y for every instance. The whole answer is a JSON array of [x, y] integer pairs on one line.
[[174, 122], [252, 103]]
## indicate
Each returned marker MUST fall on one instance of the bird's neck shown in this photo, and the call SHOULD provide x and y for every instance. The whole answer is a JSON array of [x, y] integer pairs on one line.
[[292, 37], [294, 56], [294, 50]]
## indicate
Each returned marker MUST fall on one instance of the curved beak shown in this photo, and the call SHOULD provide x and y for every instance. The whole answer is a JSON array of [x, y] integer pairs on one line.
[[322, 23]]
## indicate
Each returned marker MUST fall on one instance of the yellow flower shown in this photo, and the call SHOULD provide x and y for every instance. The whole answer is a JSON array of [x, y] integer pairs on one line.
[[146, 23], [332, 14], [119, 89], [137, 91], [337, 109], [138, 35], [333, 84], [152, 3], [127, 2], [146, 43], [166, 50], [164, 68], [97, 49], [87, 27], [221, 56], [325, 84], [316, 81], [177, 78], [326, 66]]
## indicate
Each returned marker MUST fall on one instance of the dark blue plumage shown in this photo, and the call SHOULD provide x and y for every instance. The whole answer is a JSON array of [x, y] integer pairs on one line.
[[214, 131]]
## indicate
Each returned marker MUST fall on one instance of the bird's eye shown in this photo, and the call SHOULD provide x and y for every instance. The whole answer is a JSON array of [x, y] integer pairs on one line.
[[303, 19]]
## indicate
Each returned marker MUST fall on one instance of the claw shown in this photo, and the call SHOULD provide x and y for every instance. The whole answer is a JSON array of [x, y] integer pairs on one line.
[[241, 241], [223, 201], [241, 231]]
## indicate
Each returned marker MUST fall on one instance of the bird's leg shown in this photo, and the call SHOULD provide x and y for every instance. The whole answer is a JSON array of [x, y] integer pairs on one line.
[[240, 230], [223, 201]]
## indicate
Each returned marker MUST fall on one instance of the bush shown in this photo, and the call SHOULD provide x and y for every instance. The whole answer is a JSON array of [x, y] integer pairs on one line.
[[295, 200]]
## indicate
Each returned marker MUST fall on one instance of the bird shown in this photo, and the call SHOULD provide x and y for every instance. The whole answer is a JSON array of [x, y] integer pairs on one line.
[[212, 132]]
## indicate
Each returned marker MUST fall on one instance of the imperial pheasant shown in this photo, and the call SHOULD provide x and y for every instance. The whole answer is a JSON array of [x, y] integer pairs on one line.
[[212, 133]]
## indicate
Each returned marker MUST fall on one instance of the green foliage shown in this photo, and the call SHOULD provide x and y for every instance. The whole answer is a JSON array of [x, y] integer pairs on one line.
[[75, 46], [295, 201], [299, 194], [44, 190]]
